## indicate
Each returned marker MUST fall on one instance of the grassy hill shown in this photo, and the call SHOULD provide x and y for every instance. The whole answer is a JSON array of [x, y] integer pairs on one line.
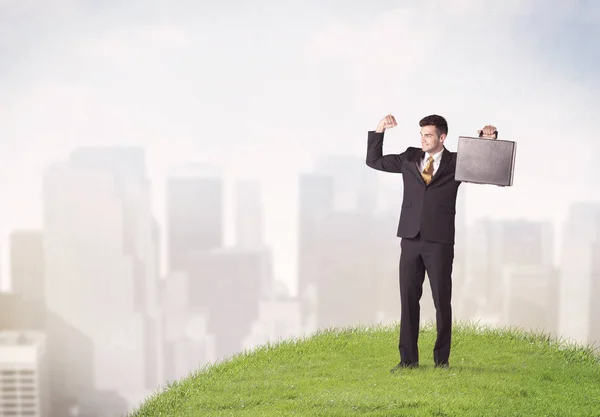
[[345, 372]]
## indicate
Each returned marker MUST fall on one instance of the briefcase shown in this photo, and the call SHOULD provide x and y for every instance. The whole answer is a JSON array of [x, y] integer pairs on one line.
[[485, 161]]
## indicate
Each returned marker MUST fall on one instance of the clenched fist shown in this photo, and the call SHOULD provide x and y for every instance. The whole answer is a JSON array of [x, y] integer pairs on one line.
[[489, 132], [386, 123]]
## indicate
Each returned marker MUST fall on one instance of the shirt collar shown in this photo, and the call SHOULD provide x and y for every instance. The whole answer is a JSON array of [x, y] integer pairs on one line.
[[437, 157]]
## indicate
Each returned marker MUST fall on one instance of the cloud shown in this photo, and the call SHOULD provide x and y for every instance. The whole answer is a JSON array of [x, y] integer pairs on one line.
[[169, 84], [128, 44], [463, 63], [48, 9]]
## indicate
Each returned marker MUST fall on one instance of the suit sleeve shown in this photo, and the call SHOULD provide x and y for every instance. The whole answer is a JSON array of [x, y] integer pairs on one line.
[[375, 157]]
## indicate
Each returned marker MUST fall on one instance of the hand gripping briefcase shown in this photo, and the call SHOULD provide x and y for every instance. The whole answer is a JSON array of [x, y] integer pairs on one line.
[[485, 161]]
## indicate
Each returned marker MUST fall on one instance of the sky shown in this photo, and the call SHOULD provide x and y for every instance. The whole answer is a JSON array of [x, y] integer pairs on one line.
[[263, 87]]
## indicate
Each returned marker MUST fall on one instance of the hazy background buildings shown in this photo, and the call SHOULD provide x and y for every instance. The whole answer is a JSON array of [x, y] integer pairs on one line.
[[182, 181]]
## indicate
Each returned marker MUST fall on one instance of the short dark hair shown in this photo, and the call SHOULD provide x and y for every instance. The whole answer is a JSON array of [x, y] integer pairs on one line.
[[434, 120]]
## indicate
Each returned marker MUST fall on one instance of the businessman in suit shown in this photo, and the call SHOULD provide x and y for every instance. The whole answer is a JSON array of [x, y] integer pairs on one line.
[[426, 228]]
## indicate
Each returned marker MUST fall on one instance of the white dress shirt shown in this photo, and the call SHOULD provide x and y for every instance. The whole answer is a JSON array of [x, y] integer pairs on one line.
[[437, 158]]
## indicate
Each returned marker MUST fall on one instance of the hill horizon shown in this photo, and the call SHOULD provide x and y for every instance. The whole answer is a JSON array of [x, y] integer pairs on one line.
[[346, 371]]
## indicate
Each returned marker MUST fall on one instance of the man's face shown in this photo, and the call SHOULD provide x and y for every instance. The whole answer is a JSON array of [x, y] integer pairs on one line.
[[430, 140]]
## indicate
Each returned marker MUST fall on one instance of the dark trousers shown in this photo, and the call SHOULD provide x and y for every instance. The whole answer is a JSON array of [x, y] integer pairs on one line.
[[416, 257]]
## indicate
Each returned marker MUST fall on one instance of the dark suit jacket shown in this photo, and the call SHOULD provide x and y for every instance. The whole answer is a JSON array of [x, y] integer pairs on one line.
[[426, 208]]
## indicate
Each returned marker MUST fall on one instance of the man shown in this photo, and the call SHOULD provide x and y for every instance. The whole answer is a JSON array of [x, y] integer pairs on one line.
[[426, 228]]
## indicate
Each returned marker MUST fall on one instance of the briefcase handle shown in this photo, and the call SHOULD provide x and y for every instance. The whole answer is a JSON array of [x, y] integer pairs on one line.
[[495, 134]]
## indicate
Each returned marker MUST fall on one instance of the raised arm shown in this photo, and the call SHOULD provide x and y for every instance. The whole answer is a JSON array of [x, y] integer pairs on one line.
[[375, 157]]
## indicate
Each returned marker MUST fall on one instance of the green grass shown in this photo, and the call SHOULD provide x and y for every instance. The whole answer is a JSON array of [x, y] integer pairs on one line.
[[345, 372]]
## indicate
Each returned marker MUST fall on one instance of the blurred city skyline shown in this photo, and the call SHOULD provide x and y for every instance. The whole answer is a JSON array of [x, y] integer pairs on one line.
[[89, 280], [282, 234], [263, 89]]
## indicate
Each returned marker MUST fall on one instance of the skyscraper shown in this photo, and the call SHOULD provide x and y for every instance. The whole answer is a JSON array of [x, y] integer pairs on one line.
[[316, 204], [578, 267], [195, 217], [249, 215], [355, 188], [100, 262], [27, 264], [24, 374], [494, 245]]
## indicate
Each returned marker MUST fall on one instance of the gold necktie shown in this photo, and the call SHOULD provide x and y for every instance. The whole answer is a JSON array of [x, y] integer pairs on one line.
[[428, 170]]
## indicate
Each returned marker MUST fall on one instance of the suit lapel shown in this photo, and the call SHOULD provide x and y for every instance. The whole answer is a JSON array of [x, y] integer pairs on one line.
[[418, 159], [446, 155]]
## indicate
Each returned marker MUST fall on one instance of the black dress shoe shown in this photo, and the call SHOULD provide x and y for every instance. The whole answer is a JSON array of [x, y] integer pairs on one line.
[[442, 365], [404, 365]]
